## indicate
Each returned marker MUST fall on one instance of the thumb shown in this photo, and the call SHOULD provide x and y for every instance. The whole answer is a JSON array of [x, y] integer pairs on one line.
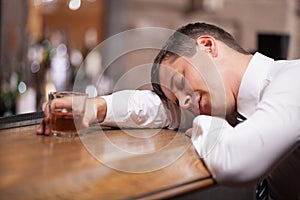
[[189, 132], [85, 123]]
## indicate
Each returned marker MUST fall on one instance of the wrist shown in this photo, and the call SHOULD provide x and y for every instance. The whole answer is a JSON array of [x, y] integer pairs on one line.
[[101, 108], [95, 110]]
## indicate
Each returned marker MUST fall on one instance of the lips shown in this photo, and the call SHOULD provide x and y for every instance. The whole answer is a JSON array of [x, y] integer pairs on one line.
[[197, 103]]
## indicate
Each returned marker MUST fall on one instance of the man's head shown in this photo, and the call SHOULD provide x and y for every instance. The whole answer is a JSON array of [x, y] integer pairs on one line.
[[176, 78]]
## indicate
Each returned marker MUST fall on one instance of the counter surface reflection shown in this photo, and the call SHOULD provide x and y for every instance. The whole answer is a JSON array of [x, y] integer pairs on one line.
[[156, 164]]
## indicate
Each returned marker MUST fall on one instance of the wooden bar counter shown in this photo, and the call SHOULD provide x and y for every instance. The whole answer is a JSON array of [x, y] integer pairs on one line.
[[100, 164]]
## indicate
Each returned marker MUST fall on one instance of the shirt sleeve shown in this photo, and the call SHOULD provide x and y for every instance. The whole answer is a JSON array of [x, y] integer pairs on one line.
[[243, 154], [135, 109], [144, 109], [249, 151]]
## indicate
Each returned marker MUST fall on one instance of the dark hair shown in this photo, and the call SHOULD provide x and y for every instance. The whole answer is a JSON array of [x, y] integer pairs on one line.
[[183, 43]]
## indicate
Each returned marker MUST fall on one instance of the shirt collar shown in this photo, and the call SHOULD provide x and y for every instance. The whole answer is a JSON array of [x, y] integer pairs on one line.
[[252, 83]]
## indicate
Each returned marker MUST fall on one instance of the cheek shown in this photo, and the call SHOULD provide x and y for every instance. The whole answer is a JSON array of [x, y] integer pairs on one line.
[[195, 81], [169, 94]]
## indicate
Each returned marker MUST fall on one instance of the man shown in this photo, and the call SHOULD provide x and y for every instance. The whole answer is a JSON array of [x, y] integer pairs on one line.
[[213, 77]]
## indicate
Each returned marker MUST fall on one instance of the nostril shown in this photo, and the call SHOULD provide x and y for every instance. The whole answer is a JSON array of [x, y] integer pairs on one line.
[[187, 101]]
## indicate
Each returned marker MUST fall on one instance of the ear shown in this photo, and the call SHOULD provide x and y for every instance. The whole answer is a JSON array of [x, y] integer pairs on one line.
[[209, 44]]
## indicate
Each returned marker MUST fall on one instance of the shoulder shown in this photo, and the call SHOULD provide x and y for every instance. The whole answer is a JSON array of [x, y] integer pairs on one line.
[[284, 74], [284, 67]]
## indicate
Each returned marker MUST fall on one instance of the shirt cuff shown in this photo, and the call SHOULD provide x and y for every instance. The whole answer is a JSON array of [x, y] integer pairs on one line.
[[109, 112], [206, 133]]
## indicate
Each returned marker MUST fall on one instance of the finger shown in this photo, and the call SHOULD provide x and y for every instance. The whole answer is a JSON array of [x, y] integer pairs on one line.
[[85, 124], [47, 119], [46, 111], [65, 102], [196, 131], [189, 132], [40, 129], [85, 121], [47, 127]]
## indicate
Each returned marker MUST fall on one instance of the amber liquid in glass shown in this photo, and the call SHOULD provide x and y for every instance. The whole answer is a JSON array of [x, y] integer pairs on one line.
[[63, 122]]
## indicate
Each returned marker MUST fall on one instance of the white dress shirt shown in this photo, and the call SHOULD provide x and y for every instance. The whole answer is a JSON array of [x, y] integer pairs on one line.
[[265, 145], [135, 109], [144, 109]]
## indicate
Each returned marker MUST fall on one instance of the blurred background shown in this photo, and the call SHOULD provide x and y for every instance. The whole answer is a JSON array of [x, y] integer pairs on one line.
[[44, 42]]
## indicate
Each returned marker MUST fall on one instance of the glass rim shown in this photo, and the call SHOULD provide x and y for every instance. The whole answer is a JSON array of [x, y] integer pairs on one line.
[[68, 93]]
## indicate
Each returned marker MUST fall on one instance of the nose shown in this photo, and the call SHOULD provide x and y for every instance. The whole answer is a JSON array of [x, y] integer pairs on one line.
[[185, 102]]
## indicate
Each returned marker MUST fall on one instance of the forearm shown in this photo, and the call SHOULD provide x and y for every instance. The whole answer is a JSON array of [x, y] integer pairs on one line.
[[137, 109], [249, 151], [227, 154], [132, 109]]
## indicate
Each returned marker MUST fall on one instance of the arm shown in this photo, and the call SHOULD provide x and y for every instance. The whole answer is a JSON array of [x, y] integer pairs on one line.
[[135, 109], [245, 153], [144, 109], [253, 148], [127, 109]]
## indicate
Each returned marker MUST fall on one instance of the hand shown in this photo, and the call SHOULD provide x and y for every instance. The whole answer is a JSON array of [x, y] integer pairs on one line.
[[95, 111], [194, 132], [44, 127], [189, 132]]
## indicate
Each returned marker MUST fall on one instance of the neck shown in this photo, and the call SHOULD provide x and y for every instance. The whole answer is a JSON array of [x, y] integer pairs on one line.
[[239, 68], [232, 66]]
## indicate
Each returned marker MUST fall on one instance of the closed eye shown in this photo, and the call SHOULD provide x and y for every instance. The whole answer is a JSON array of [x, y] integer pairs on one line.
[[180, 83]]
